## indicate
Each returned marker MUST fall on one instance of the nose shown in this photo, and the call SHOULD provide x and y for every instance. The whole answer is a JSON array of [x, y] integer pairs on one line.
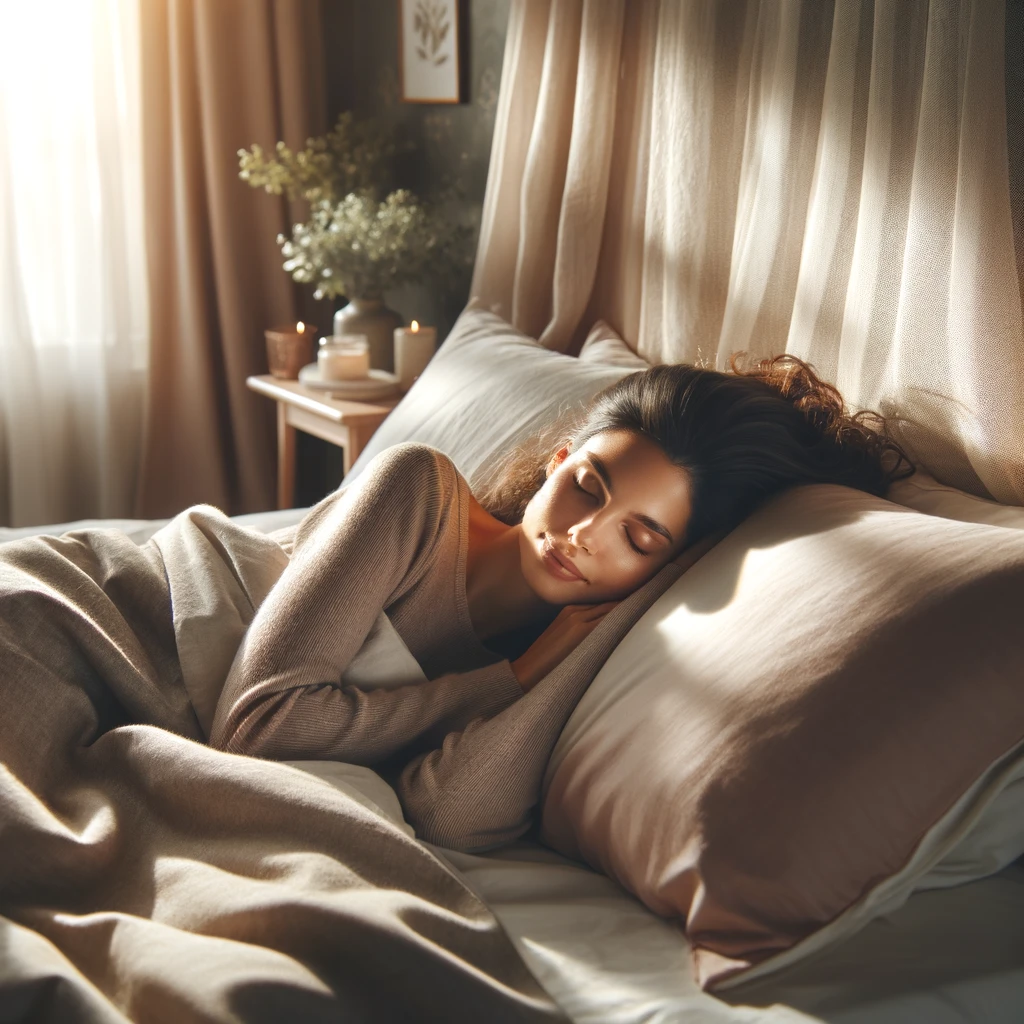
[[581, 536]]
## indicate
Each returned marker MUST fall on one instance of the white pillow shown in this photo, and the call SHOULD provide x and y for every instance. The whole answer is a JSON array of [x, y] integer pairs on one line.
[[605, 345], [488, 388], [383, 661], [924, 493]]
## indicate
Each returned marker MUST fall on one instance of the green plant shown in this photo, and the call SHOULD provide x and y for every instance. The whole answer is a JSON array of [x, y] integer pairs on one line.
[[361, 236]]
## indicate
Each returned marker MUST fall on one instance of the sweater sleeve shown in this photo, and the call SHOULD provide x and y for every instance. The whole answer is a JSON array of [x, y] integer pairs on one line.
[[480, 788], [354, 553]]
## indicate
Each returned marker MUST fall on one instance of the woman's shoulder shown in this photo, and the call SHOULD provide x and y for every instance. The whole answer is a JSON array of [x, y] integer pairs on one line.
[[411, 487], [414, 466]]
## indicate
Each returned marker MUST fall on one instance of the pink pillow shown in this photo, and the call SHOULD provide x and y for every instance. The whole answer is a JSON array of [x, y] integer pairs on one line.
[[801, 728]]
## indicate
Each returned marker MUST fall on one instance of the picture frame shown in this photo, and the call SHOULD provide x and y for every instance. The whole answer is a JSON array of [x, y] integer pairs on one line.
[[430, 40]]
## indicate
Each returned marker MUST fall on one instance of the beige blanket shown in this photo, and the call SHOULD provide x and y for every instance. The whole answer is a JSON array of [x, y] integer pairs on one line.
[[145, 876]]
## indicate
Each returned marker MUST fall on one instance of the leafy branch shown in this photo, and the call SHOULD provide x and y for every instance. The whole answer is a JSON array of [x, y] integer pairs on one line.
[[358, 239]]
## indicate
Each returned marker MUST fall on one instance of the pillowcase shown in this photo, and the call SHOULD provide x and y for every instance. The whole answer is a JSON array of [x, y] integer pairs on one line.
[[997, 837], [925, 494], [488, 388], [604, 345], [801, 728]]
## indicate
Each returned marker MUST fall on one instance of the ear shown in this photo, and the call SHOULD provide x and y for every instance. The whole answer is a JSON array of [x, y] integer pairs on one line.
[[558, 458]]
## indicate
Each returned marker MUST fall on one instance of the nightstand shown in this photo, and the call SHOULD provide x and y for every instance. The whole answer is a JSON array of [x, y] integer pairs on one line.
[[339, 421]]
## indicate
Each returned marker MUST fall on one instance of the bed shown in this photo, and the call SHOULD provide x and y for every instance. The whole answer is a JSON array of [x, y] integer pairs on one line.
[[521, 932]]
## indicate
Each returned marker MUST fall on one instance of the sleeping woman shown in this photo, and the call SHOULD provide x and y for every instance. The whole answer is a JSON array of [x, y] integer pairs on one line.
[[509, 601], [494, 594]]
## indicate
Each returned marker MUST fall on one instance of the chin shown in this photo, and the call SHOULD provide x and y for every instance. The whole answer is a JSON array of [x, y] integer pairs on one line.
[[544, 586]]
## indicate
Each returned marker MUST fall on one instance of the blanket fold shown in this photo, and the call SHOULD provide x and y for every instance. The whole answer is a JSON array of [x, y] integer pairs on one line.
[[144, 875]]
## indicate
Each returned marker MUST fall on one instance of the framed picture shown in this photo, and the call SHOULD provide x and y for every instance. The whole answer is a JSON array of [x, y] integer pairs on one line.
[[429, 35]]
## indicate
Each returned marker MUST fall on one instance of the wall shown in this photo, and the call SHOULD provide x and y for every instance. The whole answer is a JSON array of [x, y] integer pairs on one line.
[[451, 140]]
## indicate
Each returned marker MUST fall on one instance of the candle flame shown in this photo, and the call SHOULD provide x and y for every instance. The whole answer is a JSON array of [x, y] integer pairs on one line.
[[415, 326], [300, 327]]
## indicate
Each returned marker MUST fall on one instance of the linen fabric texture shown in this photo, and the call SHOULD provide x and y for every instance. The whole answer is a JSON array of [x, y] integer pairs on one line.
[[801, 728], [836, 180], [214, 79], [145, 875]]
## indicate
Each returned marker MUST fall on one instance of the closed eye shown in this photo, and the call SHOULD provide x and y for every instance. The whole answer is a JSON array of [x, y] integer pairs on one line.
[[580, 487], [629, 539]]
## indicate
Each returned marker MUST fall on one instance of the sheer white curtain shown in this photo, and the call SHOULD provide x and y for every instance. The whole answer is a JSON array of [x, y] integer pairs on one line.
[[73, 291], [831, 179]]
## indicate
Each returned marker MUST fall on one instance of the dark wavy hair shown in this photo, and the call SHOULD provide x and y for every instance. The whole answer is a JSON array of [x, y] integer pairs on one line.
[[742, 435]]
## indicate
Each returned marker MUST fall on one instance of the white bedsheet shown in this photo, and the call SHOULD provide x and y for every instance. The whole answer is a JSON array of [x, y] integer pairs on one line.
[[952, 955], [947, 956]]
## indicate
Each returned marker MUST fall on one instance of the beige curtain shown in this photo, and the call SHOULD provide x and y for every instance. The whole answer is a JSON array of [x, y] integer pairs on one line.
[[217, 77], [828, 179]]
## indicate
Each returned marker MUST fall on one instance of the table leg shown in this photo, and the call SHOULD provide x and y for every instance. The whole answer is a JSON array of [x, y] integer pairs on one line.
[[357, 438], [285, 459]]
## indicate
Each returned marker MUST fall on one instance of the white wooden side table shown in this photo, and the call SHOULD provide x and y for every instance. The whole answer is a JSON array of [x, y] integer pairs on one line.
[[339, 421]]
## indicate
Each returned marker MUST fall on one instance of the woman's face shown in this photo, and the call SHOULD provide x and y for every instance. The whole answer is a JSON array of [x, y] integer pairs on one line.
[[615, 510]]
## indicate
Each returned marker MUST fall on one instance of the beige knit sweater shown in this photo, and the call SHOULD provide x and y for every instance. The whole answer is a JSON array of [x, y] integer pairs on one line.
[[466, 750]]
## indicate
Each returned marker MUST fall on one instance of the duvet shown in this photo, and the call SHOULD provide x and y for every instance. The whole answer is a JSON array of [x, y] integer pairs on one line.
[[146, 876]]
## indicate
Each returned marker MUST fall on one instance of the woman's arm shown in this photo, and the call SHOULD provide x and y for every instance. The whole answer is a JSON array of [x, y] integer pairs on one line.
[[480, 787], [354, 553]]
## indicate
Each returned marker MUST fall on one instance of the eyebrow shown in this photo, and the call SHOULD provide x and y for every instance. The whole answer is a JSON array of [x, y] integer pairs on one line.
[[651, 524]]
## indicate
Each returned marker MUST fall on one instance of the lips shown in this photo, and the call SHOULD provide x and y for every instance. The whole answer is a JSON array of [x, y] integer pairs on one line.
[[559, 565]]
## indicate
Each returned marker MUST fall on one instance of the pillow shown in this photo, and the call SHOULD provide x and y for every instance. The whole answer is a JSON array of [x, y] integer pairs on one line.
[[801, 728], [383, 661], [997, 837], [925, 494], [604, 345], [488, 388]]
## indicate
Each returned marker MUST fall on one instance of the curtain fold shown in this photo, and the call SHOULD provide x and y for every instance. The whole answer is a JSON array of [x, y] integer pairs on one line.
[[827, 179], [218, 77], [73, 300]]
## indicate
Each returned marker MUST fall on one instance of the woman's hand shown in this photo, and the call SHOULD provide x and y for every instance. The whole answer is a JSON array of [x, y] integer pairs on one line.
[[570, 627]]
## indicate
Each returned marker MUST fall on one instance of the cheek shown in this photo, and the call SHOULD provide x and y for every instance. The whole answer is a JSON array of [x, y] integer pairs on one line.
[[542, 511]]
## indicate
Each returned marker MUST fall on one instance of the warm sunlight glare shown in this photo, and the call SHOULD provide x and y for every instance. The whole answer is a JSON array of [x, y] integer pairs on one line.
[[70, 132], [72, 34]]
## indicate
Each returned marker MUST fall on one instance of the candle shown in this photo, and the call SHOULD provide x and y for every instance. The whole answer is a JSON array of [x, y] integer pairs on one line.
[[344, 360], [414, 345], [289, 349]]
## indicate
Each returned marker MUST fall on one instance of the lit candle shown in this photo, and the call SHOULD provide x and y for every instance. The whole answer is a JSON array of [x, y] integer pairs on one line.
[[344, 360], [289, 349], [414, 345]]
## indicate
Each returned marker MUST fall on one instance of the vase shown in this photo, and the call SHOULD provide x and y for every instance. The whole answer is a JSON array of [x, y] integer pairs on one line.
[[372, 318]]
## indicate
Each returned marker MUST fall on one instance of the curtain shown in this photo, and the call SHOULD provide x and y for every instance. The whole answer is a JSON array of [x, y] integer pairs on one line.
[[73, 297], [218, 77], [835, 180]]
